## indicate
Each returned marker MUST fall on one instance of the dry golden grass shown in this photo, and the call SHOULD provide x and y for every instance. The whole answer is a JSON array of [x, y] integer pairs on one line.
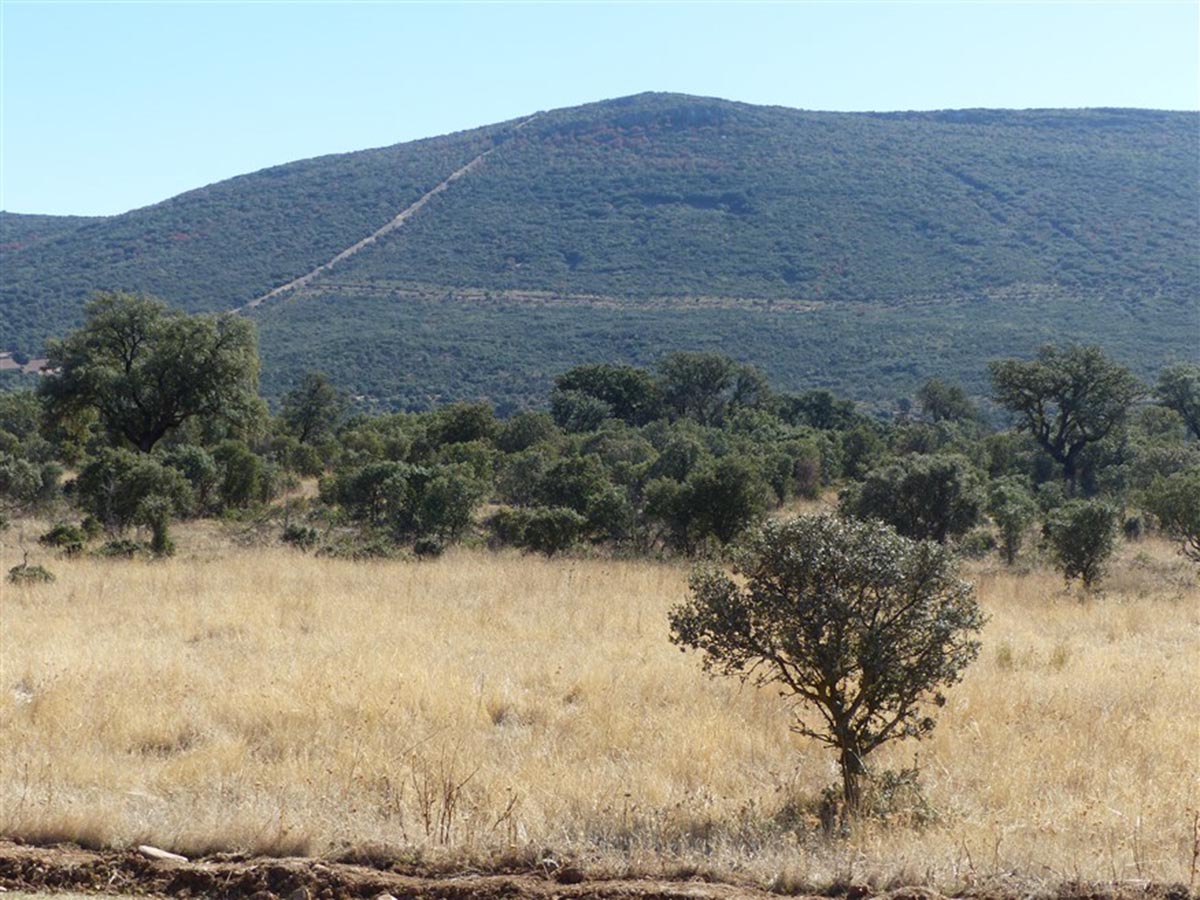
[[265, 700]]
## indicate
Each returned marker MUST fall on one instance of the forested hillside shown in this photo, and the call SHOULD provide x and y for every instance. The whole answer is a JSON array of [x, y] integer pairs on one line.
[[857, 251]]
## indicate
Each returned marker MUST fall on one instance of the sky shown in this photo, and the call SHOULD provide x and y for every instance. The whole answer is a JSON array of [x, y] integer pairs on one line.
[[106, 106]]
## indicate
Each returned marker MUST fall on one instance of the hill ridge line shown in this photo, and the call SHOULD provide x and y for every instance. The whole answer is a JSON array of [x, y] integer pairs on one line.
[[395, 222]]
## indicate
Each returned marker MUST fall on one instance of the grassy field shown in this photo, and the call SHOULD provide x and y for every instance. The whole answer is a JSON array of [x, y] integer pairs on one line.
[[486, 705]]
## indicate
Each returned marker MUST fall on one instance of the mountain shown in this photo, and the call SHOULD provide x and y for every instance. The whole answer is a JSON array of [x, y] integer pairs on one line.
[[858, 251]]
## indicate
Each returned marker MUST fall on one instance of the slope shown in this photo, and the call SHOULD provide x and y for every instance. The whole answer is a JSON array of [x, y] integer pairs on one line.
[[858, 251]]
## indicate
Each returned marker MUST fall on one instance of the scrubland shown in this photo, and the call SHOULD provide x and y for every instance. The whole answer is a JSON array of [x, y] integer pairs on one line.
[[480, 706]]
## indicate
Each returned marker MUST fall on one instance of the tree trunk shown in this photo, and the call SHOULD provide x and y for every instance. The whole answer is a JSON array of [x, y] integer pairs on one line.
[[853, 769]]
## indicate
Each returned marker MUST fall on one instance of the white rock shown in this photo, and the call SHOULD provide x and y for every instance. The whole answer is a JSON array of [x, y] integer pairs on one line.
[[154, 853]]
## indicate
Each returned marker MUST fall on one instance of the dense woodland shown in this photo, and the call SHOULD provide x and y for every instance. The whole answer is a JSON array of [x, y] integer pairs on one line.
[[860, 253], [152, 416]]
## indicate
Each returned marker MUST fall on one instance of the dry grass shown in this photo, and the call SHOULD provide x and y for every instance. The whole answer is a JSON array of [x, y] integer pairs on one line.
[[479, 703]]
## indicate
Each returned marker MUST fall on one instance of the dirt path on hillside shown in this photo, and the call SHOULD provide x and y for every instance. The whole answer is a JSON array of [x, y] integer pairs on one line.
[[403, 216], [66, 867]]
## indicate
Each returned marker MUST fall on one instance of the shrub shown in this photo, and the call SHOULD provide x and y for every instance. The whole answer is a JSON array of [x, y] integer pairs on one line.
[[1175, 502], [67, 538], [361, 547], [27, 574], [1013, 509], [923, 497], [116, 484], [301, 536], [850, 618], [122, 548], [547, 530], [1082, 535]]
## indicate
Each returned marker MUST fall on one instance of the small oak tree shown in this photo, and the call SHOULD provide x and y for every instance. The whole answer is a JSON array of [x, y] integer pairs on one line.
[[862, 626], [1082, 535]]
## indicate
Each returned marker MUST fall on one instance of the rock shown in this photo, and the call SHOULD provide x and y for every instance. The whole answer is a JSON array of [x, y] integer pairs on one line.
[[383, 896], [154, 853], [300, 893]]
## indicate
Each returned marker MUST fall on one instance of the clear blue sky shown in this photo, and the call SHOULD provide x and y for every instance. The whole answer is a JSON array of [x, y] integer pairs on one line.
[[110, 106]]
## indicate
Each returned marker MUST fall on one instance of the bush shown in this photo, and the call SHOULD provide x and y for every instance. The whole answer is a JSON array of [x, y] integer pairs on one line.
[[547, 530], [115, 486], [1013, 509], [29, 575], [923, 497], [300, 536], [122, 548], [361, 547], [70, 539], [977, 544], [1082, 535], [428, 547], [1175, 502]]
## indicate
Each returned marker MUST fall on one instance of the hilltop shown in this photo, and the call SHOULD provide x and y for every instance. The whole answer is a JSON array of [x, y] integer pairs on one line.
[[857, 251]]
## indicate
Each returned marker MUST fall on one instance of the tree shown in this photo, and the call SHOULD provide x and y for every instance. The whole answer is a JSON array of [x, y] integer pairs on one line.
[[817, 408], [862, 626], [575, 411], [314, 408], [1067, 399], [1175, 502], [1082, 536], [631, 393], [934, 496], [145, 369], [1013, 509], [1178, 388], [942, 402]]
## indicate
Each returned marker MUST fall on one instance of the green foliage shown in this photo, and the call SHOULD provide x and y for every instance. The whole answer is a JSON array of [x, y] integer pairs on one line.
[[524, 430], [1178, 389], [1067, 399], [69, 539], [123, 488], [932, 497], [666, 222], [25, 484], [410, 501], [313, 409], [203, 475], [144, 370], [1082, 535], [26, 574], [122, 548], [705, 386], [547, 530], [630, 394], [1013, 509], [303, 536], [243, 478], [1175, 502], [863, 627], [942, 402], [576, 412]]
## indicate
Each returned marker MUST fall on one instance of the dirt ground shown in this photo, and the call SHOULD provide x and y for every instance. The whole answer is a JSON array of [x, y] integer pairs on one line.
[[67, 870]]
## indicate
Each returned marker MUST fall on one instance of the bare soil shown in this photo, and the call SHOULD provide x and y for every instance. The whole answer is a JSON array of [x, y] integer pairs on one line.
[[63, 868]]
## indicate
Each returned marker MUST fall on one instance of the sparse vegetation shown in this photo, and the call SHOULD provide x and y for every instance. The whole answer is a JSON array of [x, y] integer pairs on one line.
[[274, 702]]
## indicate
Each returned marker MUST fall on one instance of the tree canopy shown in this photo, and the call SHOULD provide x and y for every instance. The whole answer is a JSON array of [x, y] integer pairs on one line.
[[144, 369], [1066, 399], [861, 625]]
